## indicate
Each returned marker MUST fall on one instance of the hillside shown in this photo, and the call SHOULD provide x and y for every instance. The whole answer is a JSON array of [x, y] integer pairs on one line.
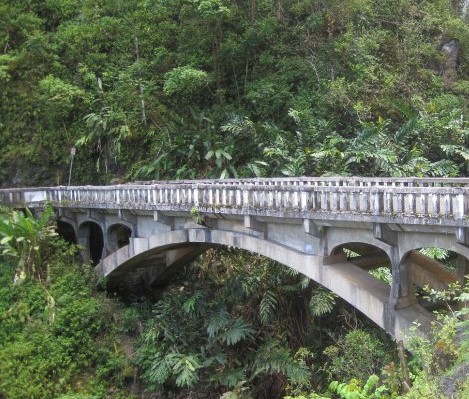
[[151, 89]]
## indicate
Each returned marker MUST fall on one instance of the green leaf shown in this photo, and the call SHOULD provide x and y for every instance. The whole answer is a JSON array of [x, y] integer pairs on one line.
[[267, 307], [238, 331], [321, 302], [6, 240], [218, 321]]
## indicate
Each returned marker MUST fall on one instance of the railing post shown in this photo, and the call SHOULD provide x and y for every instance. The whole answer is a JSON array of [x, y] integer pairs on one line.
[[460, 208], [376, 201]]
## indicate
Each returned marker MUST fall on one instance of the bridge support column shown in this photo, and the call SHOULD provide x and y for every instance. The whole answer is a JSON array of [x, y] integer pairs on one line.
[[402, 289], [463, 269]]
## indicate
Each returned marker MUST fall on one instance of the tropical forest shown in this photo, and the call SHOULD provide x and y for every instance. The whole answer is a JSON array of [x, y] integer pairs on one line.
[[157, 90]]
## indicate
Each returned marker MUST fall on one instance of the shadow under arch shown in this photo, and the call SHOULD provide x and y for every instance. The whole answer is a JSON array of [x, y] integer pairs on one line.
[[351, 283], [436, 267], [90, 236], [66, 230], [118, 236], [417, 241]]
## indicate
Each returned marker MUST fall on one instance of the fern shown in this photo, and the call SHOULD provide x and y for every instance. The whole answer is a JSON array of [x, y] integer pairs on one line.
[[239, 392], [383, 274], [238, 331], [184, 368], [160, 370], [321, 302], [267, 307], [353, 391], [273, 357], [194, 303], [232, 377], [217, 322], [456, 149], [435, 253]]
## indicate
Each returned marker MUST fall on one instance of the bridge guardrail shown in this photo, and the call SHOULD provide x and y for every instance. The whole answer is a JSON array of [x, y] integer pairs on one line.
[[447, 204], [326, 181]]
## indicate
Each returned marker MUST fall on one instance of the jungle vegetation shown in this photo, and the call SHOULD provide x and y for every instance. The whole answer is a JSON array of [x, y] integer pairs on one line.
[[172, 89], [157, 89]]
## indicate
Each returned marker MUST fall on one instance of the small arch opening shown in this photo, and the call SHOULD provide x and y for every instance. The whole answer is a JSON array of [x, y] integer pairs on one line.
[[91, 237], [367, 257], [66, 231], [118, 236], [435, 269]]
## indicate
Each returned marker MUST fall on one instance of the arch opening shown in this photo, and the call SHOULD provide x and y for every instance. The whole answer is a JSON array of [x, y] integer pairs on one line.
[[435, 269], [118, 236], [92, 238], [367, 257], [66, 231]]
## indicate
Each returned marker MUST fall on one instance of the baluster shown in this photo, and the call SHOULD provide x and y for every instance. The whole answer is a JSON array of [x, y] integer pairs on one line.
[[343, 201], [334, 201], [224, 197], [422, 206], [238, 198], [363, 202], [247, 199], [315, 199], [279, 199], [304, 201], [433, 204], [409, 203], [231, 197], [387, 202], [270, 199], [446, 206], [286, 199], [324, 201], [376, 201], [459, 204]]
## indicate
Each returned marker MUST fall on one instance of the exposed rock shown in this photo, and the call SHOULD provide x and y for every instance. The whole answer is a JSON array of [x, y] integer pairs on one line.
[[449, 63]]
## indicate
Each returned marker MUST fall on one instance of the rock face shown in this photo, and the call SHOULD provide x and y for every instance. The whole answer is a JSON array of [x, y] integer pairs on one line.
[[450, 61]]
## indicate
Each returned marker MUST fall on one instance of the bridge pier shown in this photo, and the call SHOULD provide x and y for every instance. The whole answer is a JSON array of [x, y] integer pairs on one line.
[[402, 292]]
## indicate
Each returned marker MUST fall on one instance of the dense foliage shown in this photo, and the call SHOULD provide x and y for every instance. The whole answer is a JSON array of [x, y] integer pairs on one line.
[[236, 320], [174, 89], [60, 335], [231, 325]]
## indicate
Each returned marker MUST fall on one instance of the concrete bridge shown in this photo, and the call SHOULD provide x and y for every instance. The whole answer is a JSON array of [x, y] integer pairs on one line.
[[332, 230]]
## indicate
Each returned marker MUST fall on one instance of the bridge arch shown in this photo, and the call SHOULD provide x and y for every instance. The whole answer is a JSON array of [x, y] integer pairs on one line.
[[338, 239], [91, 237], [412, 242], [368, 256], [351, 283], [434, 273]]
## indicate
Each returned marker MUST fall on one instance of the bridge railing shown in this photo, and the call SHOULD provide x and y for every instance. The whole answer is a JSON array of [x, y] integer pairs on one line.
[[325, 181], [446, 201]]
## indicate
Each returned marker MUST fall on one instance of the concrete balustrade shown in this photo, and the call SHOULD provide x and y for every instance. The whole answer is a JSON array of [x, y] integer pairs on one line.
[[440, 201]]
